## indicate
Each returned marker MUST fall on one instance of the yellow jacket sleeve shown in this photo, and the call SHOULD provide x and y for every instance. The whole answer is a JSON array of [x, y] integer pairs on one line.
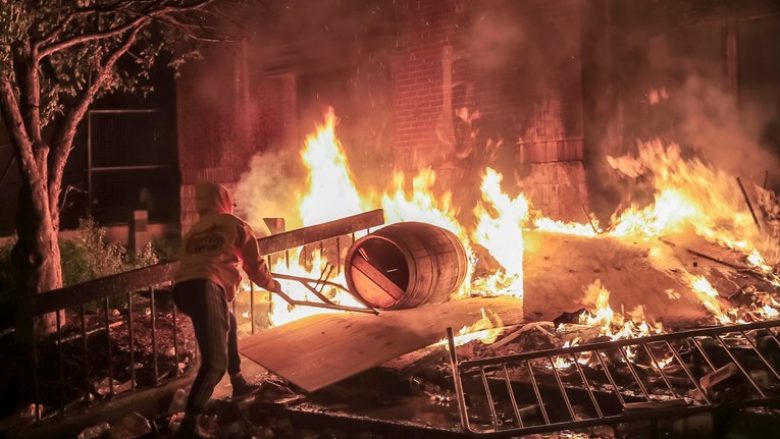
[[252, 262]]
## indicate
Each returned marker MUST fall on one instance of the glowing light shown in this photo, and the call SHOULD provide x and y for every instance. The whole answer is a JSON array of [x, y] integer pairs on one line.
[[501, 233], [331, 192], [485, 330]]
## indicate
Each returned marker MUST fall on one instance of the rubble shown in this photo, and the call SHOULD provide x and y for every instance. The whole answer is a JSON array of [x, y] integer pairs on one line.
[[95, 431], [719, 377], [133, 425]]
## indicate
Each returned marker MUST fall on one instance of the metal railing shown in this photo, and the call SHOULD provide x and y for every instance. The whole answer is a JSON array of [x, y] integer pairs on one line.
[[106, 311], [618, 381]]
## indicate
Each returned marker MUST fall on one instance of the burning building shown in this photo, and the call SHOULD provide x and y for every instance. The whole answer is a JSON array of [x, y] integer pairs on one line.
[[583, 155], [598, 125], [577, 220]]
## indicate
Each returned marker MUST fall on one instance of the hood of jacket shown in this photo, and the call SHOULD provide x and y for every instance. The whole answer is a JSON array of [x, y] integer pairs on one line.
[[212, 198]]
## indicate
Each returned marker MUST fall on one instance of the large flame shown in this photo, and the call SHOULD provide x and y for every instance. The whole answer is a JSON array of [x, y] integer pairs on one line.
[[331, 192], [500, 232], [421, 204], [688, 195]]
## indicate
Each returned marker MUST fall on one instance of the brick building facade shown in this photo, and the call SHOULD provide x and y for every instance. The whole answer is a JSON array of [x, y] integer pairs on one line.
[[475, 84], [224, 119], [232, 106], [539, 90]]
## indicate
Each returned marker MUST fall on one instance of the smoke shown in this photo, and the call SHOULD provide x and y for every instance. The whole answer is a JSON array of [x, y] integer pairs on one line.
[[304, 58], [496, 38], [518, 65], [270, 188], [676, 89], [718, 131]]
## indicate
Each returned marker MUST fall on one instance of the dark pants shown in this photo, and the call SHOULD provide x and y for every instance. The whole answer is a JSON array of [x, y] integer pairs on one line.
[[215, 329]]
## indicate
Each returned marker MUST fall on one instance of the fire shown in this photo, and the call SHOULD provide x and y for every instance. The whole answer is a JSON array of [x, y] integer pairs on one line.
[[614, 324], [331, 192], [670, 212], [282, 312], [571, 228], [688, 195], [486, 330], [598, 296], [769, 312], [501, 234], [755, 259], [422, 205], [709, 297]]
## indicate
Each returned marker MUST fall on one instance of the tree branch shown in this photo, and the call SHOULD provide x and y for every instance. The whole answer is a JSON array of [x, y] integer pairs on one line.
[[85, 38], [17, 130], [56, 32], [142, 15], [63, 141], [190, 30], [52, 36]]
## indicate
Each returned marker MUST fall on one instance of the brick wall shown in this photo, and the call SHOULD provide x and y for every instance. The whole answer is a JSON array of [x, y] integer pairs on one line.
[[444, 69], [516, 65], [276, 117], [426, 33], [227, 111]]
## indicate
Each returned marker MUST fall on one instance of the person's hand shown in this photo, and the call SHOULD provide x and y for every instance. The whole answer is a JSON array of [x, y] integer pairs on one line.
[[275, 286]]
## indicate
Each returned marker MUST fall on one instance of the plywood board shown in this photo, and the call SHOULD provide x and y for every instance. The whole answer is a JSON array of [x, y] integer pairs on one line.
[[320, 350], [557, 268]]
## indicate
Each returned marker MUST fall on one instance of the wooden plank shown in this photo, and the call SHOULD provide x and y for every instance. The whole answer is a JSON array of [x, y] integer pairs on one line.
[[557, 268], [370, 291], [319, 232], [377, 277], [146, 277], [323, 349]]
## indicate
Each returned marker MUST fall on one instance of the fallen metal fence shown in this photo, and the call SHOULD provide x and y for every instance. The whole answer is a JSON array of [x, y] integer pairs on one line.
[[619, 381], [104, 305]]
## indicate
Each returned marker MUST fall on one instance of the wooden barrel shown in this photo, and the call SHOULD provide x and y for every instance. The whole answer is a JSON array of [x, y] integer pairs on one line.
[[406, 264]]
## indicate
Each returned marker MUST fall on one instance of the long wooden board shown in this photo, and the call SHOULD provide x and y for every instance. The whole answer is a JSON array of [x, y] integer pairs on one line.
[[146, 277], [320, 350], [318, 232]]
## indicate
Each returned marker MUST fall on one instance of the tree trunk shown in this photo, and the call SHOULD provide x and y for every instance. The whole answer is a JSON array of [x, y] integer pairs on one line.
[[36, 255]]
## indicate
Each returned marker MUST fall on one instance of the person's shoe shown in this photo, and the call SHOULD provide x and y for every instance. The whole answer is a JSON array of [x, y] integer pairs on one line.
[[241, 387]]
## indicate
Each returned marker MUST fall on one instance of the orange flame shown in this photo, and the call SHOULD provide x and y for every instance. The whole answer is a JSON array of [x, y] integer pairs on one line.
[[689, 195], [485, 330], [614, 324], [502, 234], [331, 191], [422, 205]]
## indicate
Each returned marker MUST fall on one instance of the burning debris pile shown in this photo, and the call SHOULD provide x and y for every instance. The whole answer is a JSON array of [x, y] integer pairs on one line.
[[703, 247], [605, 302], [667, 310]]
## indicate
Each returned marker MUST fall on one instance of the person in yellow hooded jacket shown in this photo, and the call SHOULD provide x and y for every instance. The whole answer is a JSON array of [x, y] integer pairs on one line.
[[207, 280]]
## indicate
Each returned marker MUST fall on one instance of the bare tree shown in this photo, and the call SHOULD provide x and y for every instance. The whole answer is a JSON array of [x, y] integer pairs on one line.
[[56, 58]]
